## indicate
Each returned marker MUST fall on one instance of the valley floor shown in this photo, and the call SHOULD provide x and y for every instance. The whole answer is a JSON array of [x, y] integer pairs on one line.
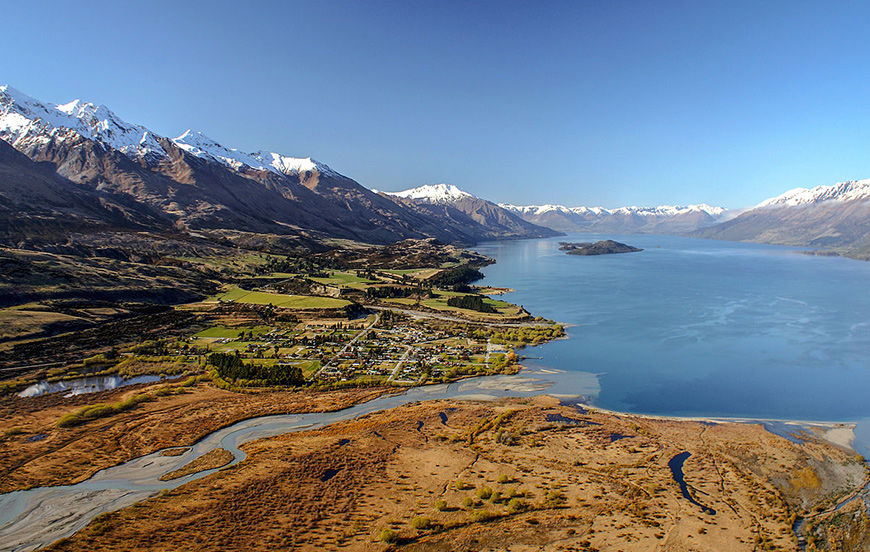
[[265, 335], [514, 474]]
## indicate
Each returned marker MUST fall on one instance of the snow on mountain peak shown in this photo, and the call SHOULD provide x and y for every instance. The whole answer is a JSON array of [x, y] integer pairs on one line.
[[661, 210], [291, 165], [433, 193], [23, 118], [200, 145], [841, 191]]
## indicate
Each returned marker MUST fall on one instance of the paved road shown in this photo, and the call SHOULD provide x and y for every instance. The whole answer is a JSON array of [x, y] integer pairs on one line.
[[351, 342], [399, 364]]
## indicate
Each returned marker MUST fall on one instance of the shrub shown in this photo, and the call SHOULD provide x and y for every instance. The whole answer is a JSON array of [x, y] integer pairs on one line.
[[467, 502], [389, 536], [484, 493], [517, 505], [481, 515], [101, 410], [421, 523], [441, 505], [504, 479], [462, 485]]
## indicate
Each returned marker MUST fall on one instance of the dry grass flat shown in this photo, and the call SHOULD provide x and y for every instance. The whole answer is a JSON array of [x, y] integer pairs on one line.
[[37, 453], [579, 481]]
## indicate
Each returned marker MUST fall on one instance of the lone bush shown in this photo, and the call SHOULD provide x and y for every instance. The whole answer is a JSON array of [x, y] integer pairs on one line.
[[389, 536], [517, 505], [481, 515], [441, 505], [484, 493], [421, 523]]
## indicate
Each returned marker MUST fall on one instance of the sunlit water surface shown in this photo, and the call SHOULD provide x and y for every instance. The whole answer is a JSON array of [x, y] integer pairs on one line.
[[695, 327]]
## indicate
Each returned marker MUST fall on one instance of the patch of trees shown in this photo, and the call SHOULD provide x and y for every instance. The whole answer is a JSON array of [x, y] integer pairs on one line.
[[354, 311], [388, 292], [232, 368], [295, 265], [456, 278], [298, 286], [471, 302], [520, 335]]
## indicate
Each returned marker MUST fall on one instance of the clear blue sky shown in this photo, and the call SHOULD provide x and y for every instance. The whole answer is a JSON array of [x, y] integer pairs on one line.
[[594, 103]]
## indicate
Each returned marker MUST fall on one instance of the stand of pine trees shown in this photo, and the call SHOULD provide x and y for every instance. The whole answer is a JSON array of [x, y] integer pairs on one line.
[[471, 302], [232, 368]]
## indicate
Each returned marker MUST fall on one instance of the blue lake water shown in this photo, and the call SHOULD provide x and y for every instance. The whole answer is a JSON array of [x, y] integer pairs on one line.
[[699, 328]]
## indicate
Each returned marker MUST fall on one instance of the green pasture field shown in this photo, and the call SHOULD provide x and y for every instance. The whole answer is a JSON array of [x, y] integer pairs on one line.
[[281, 300]]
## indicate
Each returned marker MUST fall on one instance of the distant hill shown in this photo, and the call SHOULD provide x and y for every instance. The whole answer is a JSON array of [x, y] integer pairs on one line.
[[485, 219], [833, 217], [192, 182], [664, 219]]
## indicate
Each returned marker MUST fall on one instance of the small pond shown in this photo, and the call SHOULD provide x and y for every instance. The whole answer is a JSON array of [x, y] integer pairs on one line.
[[88, 384]]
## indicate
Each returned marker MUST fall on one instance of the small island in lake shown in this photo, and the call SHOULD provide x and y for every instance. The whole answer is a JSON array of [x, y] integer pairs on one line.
[[604, 247]]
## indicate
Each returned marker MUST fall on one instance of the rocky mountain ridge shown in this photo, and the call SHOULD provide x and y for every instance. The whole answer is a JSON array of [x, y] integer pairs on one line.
[[834, 217], [193, 182], [447, 201]]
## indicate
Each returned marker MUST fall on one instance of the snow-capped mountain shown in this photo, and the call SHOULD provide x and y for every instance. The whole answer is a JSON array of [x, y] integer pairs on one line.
[[661, 210], [450, 202], [193, 182], [664, 218], [23, 119], [200, 145], [834, 217], [433, 193], [842, 191]]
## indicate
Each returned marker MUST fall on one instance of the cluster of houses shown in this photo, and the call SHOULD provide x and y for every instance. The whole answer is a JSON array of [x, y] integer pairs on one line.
[[406, 353]]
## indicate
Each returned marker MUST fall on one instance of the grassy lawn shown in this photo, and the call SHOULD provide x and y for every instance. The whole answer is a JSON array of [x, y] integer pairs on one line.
[[232, 333], [504, 308], [343, 279], [402, 300], [228, 347], [418, 273], [281, 300]]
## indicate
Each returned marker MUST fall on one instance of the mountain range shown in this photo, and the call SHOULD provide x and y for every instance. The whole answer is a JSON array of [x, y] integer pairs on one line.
[[835, 217], [446, 201], [192, 182], [78, 167], [664, 219]]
